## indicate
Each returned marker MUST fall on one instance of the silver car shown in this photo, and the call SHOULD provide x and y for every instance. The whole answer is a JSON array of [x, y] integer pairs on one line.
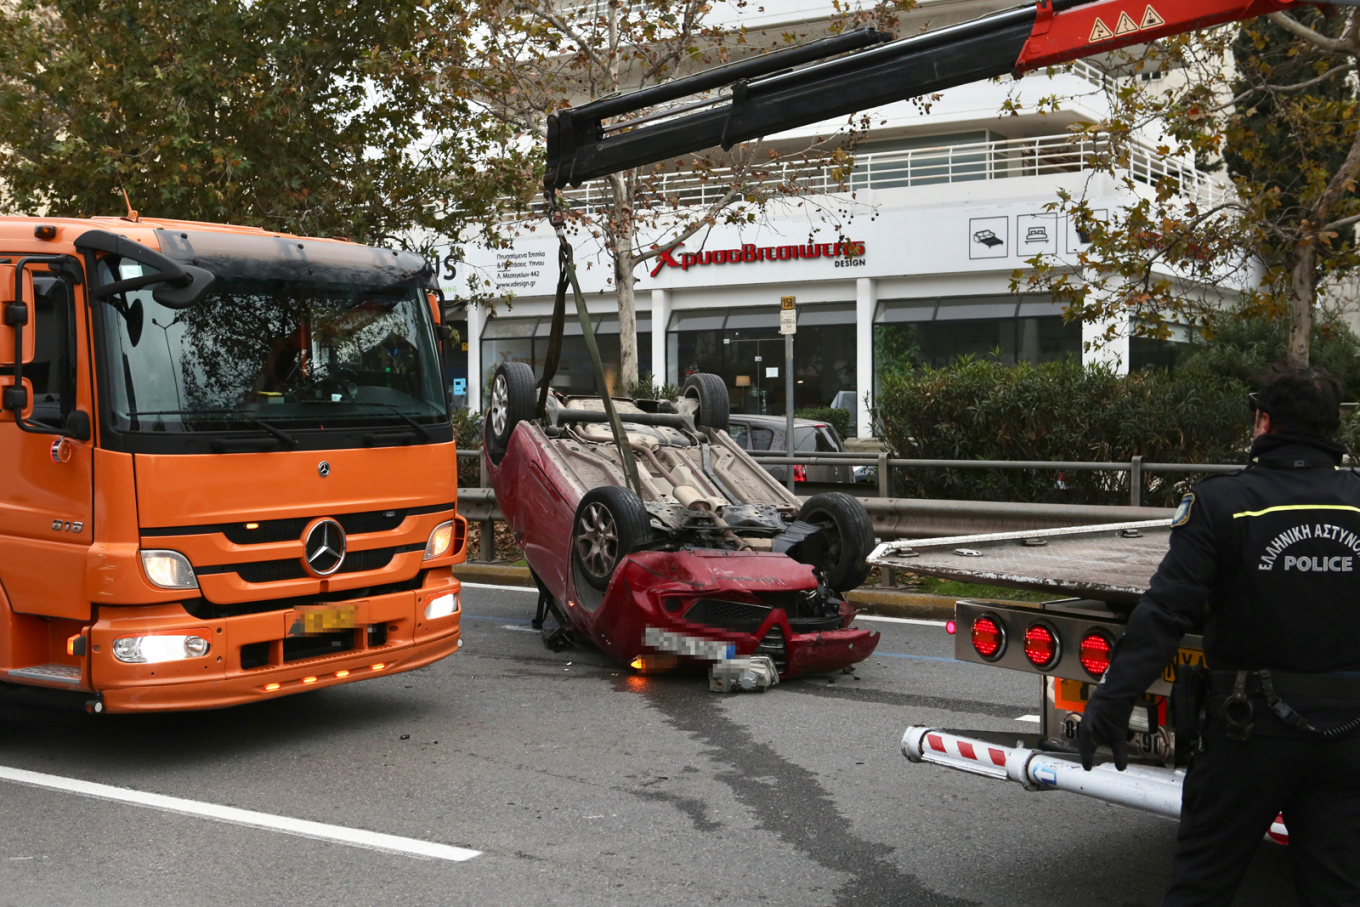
[[765, 434]]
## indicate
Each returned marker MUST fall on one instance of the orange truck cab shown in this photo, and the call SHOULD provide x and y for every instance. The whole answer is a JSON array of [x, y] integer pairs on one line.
[[229, 472]]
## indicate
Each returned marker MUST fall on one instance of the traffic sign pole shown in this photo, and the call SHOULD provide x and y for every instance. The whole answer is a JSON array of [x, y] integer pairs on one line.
[[788, 325]]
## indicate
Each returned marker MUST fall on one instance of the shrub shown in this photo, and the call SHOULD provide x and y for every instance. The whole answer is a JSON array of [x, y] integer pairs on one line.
[[645, 388], [467, 433], [1243, 346], [983, 410], [839, 418]]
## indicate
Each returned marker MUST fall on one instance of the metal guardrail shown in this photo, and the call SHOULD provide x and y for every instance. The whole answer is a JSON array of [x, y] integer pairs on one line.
[[921, 518]]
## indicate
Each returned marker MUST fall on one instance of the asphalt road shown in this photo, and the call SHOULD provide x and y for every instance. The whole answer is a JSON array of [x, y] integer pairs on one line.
[[580, 783]]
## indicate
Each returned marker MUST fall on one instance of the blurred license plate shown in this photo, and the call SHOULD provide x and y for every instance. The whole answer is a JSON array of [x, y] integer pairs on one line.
[[325, 620]]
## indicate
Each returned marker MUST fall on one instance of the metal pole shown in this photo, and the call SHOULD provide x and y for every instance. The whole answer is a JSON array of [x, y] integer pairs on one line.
[[488, 531], [1136, 482], [788, 401]]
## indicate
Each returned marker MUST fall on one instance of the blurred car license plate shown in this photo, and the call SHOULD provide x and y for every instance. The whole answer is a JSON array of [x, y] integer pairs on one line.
[[326, 620]]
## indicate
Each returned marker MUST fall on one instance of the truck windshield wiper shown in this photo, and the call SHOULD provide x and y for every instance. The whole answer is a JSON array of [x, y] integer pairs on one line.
[[420, 429], [258, 423]]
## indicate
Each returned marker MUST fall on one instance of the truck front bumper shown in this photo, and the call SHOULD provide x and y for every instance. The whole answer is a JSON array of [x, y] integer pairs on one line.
[[250, 660]]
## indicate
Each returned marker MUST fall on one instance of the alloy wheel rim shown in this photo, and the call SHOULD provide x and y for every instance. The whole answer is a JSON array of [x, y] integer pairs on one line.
[[500, 405], [597, 540]]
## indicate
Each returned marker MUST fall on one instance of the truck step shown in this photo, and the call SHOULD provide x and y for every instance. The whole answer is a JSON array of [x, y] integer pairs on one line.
[[52, 673]]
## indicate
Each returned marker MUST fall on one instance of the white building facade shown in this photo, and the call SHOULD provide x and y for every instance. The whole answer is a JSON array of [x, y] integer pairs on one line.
[[943, 208]]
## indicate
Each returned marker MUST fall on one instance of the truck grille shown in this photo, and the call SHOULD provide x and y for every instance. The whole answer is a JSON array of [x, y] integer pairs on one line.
[[277, 571]]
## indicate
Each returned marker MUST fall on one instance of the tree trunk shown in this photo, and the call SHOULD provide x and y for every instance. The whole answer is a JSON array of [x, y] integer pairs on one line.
[[623, 239], [1302, 289]]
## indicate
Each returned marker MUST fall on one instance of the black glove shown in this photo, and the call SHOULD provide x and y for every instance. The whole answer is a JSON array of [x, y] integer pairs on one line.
[[1104, 723]]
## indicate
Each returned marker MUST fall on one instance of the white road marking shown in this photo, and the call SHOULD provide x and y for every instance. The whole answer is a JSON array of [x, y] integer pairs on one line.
[[901, 620], [1030, 718], [524, 629], [533, 589], [338, 833]]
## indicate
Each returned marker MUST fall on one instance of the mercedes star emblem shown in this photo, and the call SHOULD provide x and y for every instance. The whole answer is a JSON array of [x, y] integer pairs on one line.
[[323, 547], [323, 469]]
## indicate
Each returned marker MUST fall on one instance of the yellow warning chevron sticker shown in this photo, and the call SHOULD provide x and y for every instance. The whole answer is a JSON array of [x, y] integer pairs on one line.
[[1126, 25], [1100, 32], [1151, 18]]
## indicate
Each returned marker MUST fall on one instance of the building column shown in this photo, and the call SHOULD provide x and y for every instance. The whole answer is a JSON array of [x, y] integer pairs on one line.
[[474, 342], [661, 316], [866, 300], [1096, 350]]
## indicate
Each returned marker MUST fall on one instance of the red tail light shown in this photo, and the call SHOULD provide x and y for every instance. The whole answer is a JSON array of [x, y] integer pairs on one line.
[[1041, 646], [1095, 653], [800, 473], [989, 639]]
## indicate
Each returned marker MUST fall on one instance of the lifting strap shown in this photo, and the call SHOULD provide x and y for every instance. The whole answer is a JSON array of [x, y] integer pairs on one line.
[[568, 276]]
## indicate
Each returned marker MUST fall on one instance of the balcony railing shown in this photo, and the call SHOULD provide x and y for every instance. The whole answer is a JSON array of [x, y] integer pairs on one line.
[[1004, 159]]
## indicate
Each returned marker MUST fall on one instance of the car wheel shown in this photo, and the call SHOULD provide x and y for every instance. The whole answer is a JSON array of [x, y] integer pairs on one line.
[[711, 393], [512, 402], [611, 522], [847, 539]]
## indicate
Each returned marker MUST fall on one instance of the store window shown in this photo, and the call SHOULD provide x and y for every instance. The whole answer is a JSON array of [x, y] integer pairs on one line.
[[744, 347], [526, 340], [913, 332]]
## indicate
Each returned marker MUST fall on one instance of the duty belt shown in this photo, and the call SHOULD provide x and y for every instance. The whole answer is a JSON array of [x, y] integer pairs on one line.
[[1237, 710]]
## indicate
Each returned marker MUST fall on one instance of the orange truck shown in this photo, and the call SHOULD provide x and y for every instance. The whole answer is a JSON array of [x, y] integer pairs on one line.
[[229, 469]]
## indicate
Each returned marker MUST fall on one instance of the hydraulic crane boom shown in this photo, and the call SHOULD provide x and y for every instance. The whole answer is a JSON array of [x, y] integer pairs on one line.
[[765, 96]]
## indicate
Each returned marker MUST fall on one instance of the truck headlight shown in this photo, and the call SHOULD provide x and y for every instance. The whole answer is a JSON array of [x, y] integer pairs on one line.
[[441, 540], [168, 570], [442, 606], [146, 650]]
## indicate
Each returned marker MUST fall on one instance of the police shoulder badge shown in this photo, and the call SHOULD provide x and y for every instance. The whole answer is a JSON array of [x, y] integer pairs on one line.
[[1183, 511]]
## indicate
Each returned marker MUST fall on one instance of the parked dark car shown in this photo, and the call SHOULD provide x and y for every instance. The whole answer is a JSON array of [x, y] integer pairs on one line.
[[715, 559]]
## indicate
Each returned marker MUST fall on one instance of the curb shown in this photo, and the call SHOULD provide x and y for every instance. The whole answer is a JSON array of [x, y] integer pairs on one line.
[[868, 599]]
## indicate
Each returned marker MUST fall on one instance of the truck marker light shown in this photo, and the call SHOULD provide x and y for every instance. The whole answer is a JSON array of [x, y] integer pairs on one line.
[[441, 540], [378, 667], [309, 680], [442, 606], [949, 627], [1041, 646], [76, 645], [1095, 653], [168, 570], [989, 639], [271, 687], [252, 525], [342, 673]]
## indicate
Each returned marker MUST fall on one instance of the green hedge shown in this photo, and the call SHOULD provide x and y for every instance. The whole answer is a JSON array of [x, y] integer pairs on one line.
[[467, 432], [839, 418], [983, 410]]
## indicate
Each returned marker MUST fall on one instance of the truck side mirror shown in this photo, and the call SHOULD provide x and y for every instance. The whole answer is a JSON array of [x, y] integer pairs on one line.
[[78, 425], [15, 315]]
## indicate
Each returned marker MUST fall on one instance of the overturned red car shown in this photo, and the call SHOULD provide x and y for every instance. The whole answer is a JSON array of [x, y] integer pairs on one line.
[[714, 559]]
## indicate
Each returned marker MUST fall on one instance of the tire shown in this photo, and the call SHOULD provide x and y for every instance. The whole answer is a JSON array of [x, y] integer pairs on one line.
[[840, 551], [711, 393], [611, 522], [512, 401]]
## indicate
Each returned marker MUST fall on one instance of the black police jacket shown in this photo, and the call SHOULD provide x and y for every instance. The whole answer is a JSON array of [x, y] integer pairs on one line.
[[1267, 561]]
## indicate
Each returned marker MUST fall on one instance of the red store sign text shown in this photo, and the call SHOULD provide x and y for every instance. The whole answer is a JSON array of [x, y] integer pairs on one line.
[[752, 253]]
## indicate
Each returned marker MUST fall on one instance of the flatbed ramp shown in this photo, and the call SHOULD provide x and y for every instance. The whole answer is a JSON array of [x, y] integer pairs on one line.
[[1112, 563]]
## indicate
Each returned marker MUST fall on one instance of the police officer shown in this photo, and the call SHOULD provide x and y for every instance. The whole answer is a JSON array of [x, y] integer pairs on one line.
[[1267, 561]]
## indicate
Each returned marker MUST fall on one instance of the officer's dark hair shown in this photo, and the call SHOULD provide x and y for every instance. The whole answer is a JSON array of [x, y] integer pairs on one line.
[[1300, 401]]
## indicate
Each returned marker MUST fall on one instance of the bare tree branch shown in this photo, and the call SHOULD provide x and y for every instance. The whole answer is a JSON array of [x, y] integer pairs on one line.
[[1298, 29]]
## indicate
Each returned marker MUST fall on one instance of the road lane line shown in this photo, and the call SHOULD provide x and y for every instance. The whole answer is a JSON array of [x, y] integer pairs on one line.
[[901, 620], [509, 620], [354, 837], [1032, 718], [533, 589], [521, 629]]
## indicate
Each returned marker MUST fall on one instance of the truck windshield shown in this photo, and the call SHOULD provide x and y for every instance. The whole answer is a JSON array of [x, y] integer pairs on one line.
[[294, 355]]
